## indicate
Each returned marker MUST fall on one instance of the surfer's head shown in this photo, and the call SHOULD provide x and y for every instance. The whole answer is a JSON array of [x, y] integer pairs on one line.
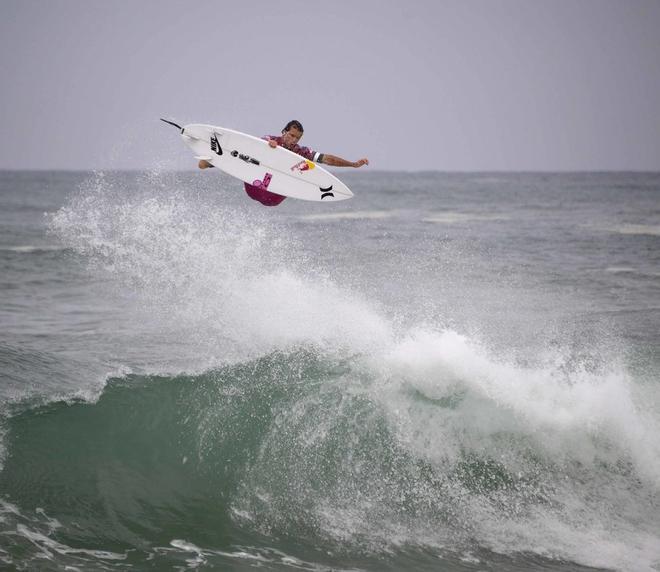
[[293, 123], [292, 133]]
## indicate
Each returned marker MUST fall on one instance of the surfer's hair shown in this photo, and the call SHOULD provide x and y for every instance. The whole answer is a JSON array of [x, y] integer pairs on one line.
[[294, 123]]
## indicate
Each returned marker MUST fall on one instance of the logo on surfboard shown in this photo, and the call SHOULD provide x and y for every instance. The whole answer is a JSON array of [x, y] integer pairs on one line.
[[215, 145], [244, 157], [326, 192], [262, 184], [305, 165]]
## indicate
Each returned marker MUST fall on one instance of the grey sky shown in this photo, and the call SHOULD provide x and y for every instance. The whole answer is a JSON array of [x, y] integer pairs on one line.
[[447, 85]]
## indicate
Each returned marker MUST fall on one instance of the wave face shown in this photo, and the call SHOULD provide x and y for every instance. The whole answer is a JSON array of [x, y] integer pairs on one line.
[[268, 413], [447, 450]]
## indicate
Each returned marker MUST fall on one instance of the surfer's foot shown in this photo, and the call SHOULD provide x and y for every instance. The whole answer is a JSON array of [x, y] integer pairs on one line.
[[203, 164]]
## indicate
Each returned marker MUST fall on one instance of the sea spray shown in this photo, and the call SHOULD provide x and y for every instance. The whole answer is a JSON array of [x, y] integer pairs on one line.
[[226, 275]]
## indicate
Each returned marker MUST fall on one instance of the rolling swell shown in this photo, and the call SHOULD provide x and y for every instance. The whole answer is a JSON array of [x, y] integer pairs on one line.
[[153, 456], [156, 459], [299, 450]]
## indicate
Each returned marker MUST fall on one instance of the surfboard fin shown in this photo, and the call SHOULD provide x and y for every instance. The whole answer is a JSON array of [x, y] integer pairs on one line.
[[172, 123]]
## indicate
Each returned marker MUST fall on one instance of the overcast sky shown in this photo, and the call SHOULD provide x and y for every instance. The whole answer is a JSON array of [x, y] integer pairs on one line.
[[411, 84]]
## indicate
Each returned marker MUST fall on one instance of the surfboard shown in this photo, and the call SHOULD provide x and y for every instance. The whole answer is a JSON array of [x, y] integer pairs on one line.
[[253, 161]]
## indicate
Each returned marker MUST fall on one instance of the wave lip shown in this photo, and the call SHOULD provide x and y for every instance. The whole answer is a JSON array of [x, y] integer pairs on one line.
[[570, 403]]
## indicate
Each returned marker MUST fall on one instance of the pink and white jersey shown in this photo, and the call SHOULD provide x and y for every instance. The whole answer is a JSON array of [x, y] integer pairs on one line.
[[302, 151]]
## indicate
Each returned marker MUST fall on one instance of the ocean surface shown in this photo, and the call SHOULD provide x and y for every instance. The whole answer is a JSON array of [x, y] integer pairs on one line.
[[451, 372]]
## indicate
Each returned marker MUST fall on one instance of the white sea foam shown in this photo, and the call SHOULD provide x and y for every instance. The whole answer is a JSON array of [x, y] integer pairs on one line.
[[459, 217], [351, 215], [46, 544], [259, 556], [448, 397], [31, 249], [651, 230], [562, 411], [635, 229], [620, 270]]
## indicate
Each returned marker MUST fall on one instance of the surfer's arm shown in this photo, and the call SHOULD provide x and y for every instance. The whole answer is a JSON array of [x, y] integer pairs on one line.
[[334, 161]]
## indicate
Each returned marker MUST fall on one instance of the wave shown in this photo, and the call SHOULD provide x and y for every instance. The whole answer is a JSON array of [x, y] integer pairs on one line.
[[31, 249], [308, 417], [432, 444]]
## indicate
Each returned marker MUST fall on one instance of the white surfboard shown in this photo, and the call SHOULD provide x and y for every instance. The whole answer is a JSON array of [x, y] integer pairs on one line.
[[253, 161]]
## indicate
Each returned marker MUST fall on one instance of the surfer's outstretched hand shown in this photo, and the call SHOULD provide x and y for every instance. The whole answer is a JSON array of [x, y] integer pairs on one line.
[[326, 158]]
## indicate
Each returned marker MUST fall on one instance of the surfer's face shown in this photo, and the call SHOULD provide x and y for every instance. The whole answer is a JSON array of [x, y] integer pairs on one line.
[[291, 137]]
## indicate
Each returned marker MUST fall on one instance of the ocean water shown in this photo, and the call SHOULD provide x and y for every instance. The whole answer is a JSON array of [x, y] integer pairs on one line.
[[453, 372]]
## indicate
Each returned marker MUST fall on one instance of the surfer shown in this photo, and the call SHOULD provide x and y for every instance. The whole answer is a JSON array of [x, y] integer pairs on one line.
[[289, 139]]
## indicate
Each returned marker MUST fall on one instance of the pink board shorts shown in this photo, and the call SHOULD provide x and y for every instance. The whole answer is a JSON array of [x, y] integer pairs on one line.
[[265, 197]]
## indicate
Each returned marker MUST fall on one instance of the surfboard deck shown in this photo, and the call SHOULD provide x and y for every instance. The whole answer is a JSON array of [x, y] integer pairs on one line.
[[254, 161]]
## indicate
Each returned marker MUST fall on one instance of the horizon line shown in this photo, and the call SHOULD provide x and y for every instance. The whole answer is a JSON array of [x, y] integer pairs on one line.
[[373, 171]]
